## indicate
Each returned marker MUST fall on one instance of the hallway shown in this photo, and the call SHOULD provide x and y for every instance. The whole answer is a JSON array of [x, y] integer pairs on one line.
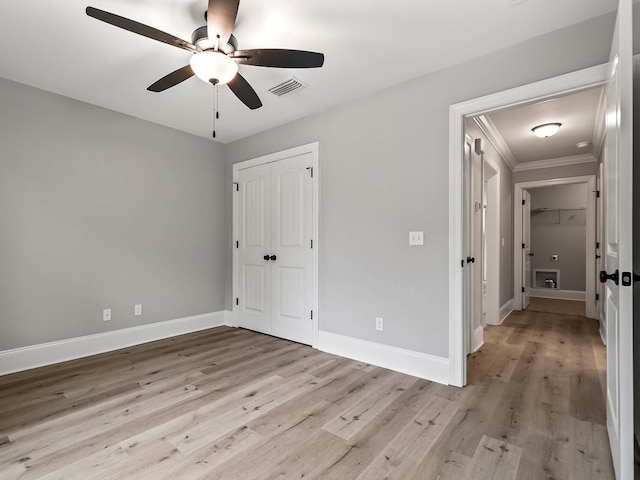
[[545, 378]]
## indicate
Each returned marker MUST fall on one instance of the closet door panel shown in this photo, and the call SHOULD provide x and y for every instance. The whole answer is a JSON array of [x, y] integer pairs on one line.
[[254, 242], [292, 194]]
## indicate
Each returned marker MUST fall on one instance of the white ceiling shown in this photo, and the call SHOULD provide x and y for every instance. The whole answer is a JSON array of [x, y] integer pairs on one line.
[[368, 45], [580, 115]]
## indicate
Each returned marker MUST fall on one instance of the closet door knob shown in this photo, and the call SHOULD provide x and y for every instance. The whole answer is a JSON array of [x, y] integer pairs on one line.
[[604, 276], [266, 257], [272, 258]]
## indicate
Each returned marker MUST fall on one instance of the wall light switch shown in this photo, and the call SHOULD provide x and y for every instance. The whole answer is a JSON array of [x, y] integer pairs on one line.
[[106, 314], [137, 310], [416, 238]]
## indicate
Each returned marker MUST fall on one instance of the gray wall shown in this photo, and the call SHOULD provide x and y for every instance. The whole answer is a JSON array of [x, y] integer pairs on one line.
[[384, 172], [560, 230], [99, 210], [506, 212]]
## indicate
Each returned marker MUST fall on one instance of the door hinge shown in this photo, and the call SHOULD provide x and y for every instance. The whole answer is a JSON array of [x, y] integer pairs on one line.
[[311, 314], [462, 263], [237, 301], [523, 202], [597, 193], [310, 171], [597, 245], [312, 243], [597, 297], [237, 186], [523, 245], [237, 244], [522, 289]]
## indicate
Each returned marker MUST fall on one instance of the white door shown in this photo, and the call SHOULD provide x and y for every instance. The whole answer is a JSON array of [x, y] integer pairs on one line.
[[274, 250], [600, 248], [292, 280], [526, 248], [618, 245], [254, 298], [476, 251], [468, 246]]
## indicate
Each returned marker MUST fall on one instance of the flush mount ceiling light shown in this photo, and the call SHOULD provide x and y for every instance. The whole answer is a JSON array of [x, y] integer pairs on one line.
[[546, 130], [583, 144]]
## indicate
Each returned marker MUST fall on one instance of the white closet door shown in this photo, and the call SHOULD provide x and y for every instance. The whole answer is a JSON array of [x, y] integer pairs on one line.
[[292, 228], [254, 242]]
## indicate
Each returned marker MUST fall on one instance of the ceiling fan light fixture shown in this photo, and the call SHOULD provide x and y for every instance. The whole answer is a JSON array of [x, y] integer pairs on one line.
[[213, 67], [546, 130]]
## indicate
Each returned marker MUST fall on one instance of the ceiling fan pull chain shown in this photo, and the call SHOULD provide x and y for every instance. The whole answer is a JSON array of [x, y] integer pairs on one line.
[[215, 108], [217, 104]]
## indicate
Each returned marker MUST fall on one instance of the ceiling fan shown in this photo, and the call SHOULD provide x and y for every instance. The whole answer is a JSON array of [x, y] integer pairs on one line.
[[215, 51]]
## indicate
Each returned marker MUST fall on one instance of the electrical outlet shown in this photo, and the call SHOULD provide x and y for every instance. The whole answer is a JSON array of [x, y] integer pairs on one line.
[[137, 310], [379, 323], [106, 314]]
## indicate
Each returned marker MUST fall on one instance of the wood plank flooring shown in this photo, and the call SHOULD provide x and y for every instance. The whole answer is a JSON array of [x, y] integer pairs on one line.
[[233, 404]]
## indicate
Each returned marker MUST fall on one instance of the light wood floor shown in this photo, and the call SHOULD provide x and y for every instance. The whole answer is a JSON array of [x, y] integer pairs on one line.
[[233, 404], [554, 305]]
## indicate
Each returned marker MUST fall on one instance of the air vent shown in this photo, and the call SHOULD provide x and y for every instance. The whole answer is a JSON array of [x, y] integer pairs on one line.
[[288, 86]]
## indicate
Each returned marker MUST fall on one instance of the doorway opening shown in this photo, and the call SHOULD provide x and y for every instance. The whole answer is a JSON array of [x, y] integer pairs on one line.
[[556, 221], [536, 93]]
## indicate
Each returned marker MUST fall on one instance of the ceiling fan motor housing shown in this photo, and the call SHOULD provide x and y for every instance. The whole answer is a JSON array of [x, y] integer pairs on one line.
[[200, 38]]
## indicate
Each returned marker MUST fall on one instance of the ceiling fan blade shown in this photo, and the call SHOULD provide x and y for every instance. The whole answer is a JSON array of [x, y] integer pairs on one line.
[[245, 92], [275, 57], [221, 18], [140, 29], [172, 79]]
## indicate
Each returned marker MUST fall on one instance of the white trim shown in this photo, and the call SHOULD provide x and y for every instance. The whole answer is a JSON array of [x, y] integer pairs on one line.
[[563, 84], [555, 293], [422, 365], [603, 331], [313, 149], [478, 339], [493, 234], [599, 129], [229, 318], [505, 310], [33, 356], [590, 251], [490, 131], [556, 162]]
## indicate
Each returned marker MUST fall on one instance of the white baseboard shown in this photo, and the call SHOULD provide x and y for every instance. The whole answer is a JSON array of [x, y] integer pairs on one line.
[[505, 310], [25, 358], [560, 294], [478, 339], [603, 331], [422, 365]]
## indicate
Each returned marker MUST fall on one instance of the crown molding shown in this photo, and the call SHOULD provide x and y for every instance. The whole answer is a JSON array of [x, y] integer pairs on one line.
[[556, 162], [493, 135]]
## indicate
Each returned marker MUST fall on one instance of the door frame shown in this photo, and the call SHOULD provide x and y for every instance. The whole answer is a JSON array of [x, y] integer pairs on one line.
[[563, 84], [492, 186], [313, 149], [590, 259]]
